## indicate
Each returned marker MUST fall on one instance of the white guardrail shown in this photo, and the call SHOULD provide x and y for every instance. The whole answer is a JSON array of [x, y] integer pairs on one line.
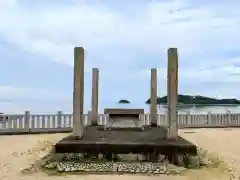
[[46, 123]]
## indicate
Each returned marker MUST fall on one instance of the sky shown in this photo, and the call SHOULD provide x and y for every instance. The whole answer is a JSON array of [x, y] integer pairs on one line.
[[124, 39]]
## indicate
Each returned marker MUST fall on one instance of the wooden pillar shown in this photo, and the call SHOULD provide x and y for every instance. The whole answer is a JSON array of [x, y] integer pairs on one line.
[[78, 92], [94, 112], [172, 96], [27, 120], [153, 107]]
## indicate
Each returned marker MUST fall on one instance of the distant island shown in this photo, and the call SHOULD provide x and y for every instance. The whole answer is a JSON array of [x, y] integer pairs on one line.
[[199, 100]]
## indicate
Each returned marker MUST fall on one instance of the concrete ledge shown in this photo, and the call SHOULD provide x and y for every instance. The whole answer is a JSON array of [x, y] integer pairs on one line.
[[14, 131], [119, 111], [18, 131], [50, 130], [209, 126]]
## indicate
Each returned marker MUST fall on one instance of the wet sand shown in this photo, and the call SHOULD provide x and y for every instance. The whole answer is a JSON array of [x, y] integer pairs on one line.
[[20, 151]]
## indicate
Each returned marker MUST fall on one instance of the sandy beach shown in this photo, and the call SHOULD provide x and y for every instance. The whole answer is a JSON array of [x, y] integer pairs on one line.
[[20, 151]]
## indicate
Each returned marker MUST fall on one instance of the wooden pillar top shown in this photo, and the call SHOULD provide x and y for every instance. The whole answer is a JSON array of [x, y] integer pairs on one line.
[[95, 84], [78, 92], [153, 95], [172, 96]]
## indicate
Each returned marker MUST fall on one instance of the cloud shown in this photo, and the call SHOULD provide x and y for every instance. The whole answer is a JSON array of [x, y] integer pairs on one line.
[[17, 99], [12, 92], [124, 43], [152, 27]]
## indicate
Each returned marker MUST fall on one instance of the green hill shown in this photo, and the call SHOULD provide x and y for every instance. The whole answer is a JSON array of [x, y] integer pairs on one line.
[[187, 99]]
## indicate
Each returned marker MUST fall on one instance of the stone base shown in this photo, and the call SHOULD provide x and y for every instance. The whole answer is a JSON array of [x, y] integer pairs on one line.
[[151, 141], [124, 163]]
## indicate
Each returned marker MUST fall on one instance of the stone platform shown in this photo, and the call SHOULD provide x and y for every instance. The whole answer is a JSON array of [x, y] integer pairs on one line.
[[121, 111], [124, 141]]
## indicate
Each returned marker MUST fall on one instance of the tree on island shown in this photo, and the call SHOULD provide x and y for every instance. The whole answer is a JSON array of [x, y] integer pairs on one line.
[[158, 100], [123, 101]]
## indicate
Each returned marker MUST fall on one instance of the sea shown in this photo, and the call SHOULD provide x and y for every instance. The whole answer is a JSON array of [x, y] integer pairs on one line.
[[194, 108], [204, 109]]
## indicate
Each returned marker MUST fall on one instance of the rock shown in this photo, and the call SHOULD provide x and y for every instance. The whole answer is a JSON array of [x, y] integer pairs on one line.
[[192, 161], [141, 157], [162, 157], [60, 167], [51, 165], [80, 155], [179, 160], [128, 157], [204, 161], [100, 166], [172, 169], [100, 156], [108, 156]]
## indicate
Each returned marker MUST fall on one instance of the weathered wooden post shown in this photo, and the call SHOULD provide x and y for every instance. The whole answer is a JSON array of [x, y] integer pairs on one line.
[[59, 119], [153, 91], [94, 112], [78, 92], [172, 96], [229, 119], [27, 120]]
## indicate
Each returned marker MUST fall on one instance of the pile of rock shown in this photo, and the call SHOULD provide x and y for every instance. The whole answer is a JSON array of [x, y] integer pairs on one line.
[[108, 167], [79, 163]]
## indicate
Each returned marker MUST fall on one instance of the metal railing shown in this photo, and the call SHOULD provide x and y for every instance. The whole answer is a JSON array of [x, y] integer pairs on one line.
[[59, 122]]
